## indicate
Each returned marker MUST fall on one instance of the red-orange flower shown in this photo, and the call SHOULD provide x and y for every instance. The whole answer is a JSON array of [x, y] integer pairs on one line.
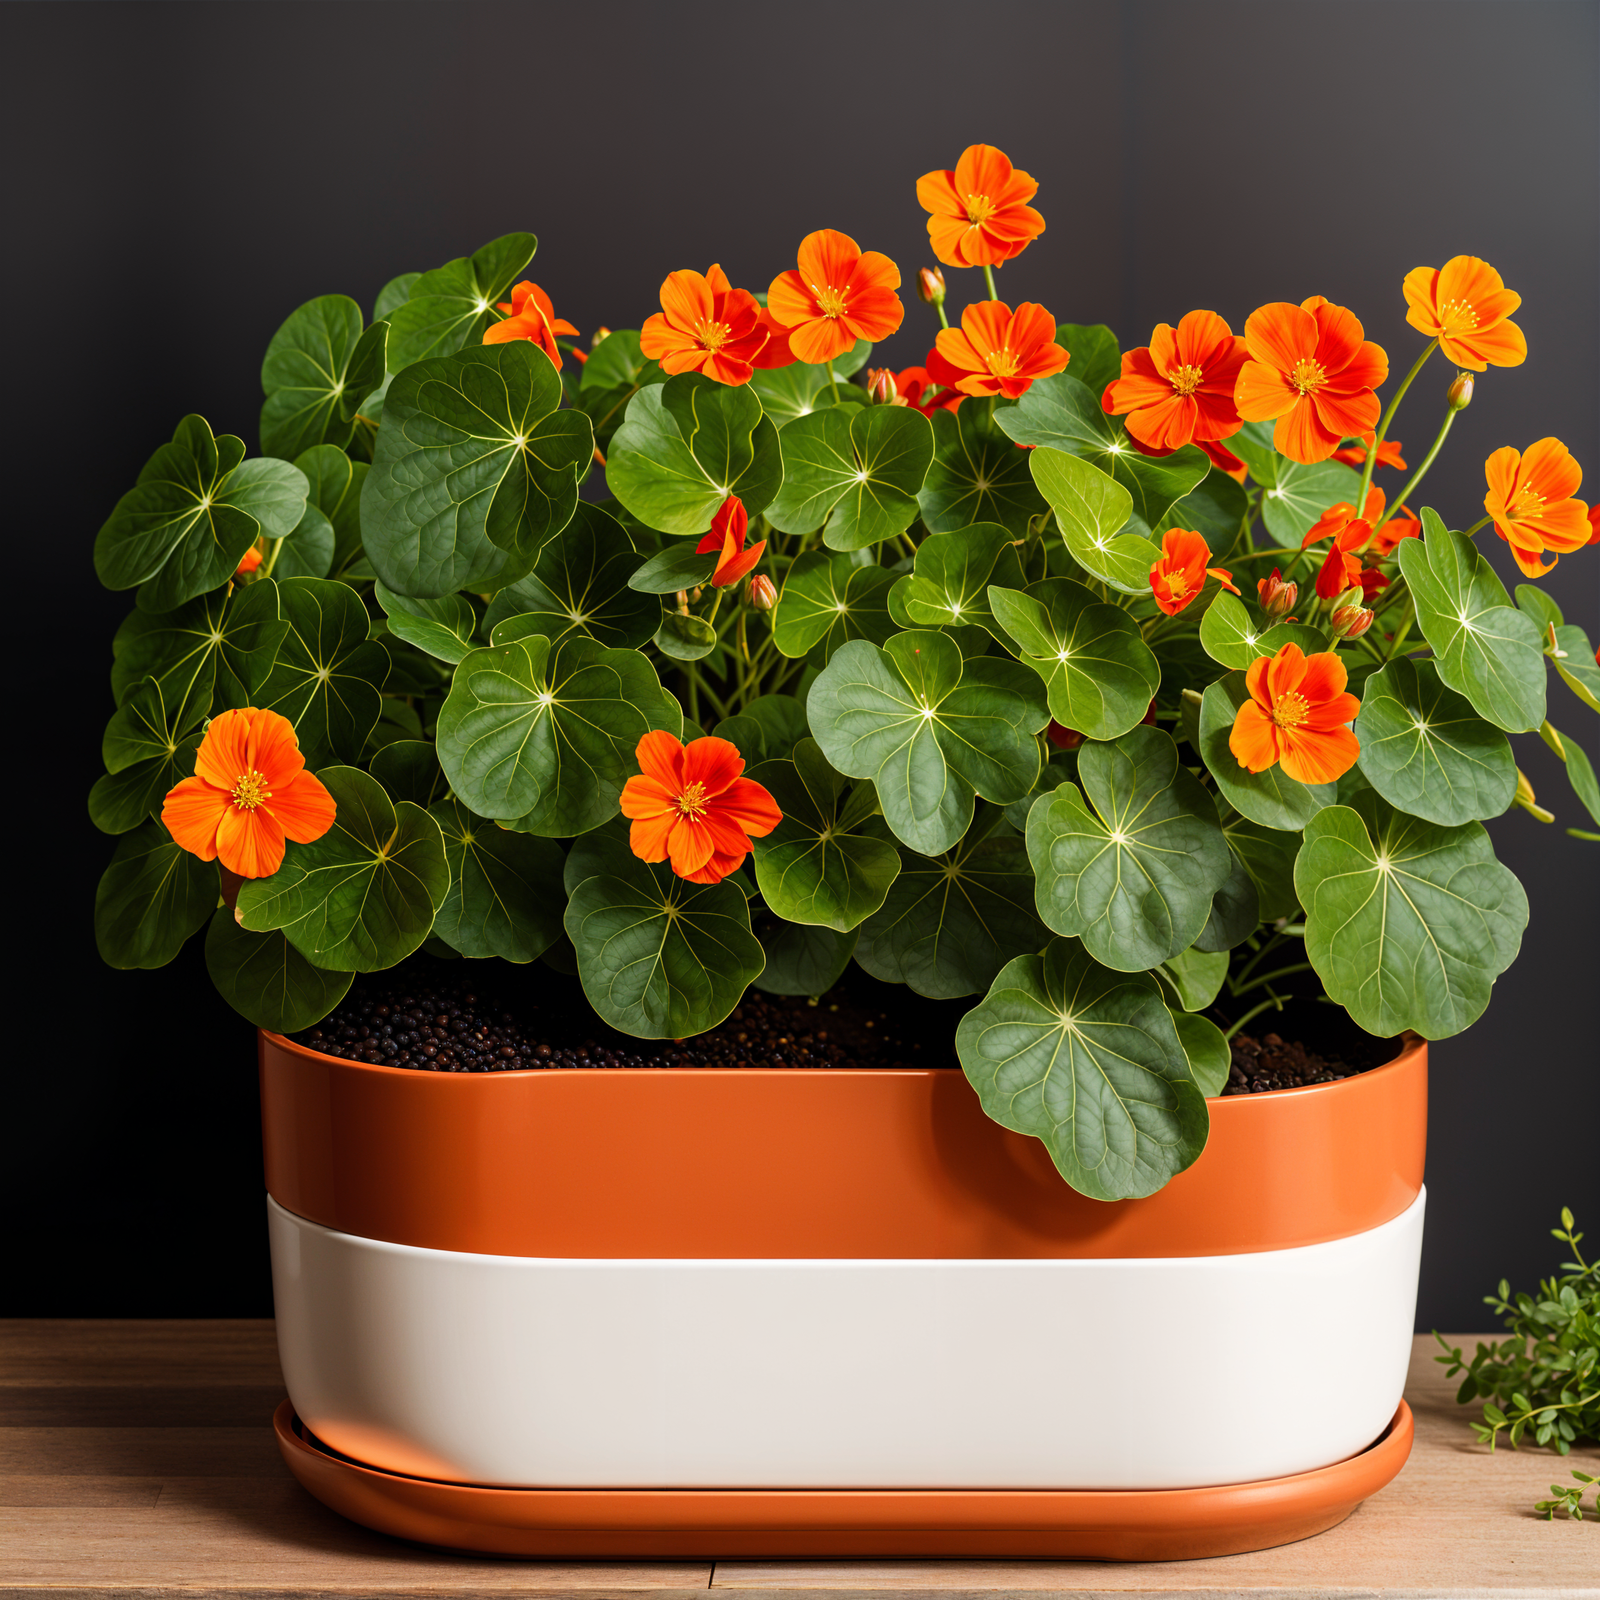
[[1181, 573], [1387, 535], [1312, 369], [1223, 459], [530, 316], [728, 529], [1178, 389], [1594, 524], [1000, 351], [706, 325], [920, 390], [1464, 305], [249, 792], [980, 214], [1356, 454], [837, 295], [1531, 500], [690, 805], [1295, 717], [249, 561]]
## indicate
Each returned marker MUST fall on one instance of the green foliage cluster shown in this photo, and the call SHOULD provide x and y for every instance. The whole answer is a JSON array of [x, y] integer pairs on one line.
[[470, 653], [1544, 1380]]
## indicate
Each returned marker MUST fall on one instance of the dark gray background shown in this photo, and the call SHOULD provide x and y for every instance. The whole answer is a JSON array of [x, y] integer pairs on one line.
[[183, 175]]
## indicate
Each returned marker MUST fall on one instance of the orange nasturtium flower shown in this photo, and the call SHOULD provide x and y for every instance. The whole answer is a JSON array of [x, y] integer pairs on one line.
[[1181, 573], [690, 805], [1178, 389], [1341, 569], [706, 325], [1464, 305], [250, 791], [728, 529], [1387, 535], [1530, 498], [979, 214], [1295, 717], [1356, 454], [1311, 369], [249, 561], [1000, 351], [837, 295], [530, 315]]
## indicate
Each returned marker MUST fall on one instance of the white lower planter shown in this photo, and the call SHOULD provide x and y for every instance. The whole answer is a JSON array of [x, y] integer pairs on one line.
[[801, 1373]]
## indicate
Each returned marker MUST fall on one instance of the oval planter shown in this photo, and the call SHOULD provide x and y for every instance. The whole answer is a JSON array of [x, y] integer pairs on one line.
[[799, 1280]]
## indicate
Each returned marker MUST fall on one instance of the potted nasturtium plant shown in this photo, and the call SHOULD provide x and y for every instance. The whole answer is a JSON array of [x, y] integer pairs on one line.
[[704, 668]]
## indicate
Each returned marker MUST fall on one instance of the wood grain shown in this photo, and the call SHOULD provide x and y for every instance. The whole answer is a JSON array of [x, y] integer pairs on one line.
[[137, 1460]]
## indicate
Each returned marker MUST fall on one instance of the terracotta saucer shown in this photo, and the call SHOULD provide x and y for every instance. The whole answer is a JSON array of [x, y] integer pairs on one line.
[[728, 1524]]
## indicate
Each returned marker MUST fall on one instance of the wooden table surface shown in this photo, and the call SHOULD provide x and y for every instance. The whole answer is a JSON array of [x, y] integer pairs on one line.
[[137, 1458]]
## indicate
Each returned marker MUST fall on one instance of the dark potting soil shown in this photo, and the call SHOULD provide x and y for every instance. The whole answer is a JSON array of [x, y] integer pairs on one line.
[[1267, 1063], [437, 1022]]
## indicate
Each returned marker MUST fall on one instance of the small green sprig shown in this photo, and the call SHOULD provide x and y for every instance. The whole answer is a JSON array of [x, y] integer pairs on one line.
[[1569, 1498], [1544, 1379]]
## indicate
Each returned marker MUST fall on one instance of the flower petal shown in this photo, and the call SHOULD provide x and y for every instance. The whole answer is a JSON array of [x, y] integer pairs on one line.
[[660, 758], [224, 754], [303, 807], [748, 804], [274, 751], [250, 843], [1254, 739], [1317, 756], [191, 813], [714, 762]]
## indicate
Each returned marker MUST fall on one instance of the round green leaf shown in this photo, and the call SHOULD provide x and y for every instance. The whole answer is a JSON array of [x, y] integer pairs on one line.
[[782, 719], [409, 769], [1196, 976], [327, 675], [1207, 1050], [334, 488], [801, 388], [266, 980], [1096, 360], [1133, 877], [858, 473], [1408, 923], [951, 922], [221, 636], [149, 745], [580, 583], [452, 305], [1062, 414], [1425, 750], [318, 368], [1268, 855], [473, 471], [802, 958], [443, 628], [929, 730], [828, 600], [1235, 911], [308, 551], [948, 586], [1090, 1062], [506, 893], [684, 637], [977, 475], [394, 293], [1215, 508], [1580, 771], [1098, 672], [1271, 798], [546, 734], [1573, 657], [678, 567], [659, 957], [813, 867], [1300, 495], [364, 895], [1090, 510], [1233, 639], [1486, 649], [150, 899], [685, 446]]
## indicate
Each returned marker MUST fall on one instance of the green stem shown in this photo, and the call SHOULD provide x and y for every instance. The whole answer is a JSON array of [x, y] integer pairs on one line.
[[1385, 420], [1283, 972], [1480, 523], [1274, 1004], [1427, 461], [1400, 633], [272, 558], [944, 321], [988, 278]]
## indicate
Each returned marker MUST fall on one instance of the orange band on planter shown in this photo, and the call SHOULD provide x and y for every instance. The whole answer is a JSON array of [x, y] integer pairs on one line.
[[793, 1164]]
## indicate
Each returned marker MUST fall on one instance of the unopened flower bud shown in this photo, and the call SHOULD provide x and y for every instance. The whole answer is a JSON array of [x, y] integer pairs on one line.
[[599, 337], [930, 286], [1524, 798], [1459, 395], [1353, 596], [249, 561], [1277, 597], [1350, 622], [881, 387], [1063, 738], [761, 593]]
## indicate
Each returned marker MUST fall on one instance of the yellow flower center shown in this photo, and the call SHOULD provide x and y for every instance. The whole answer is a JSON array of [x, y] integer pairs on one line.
[[979, 209], [1002, 363], [692, 802], [830, 301], [1308, 375], [1529, 503], [1185, 380], [250, 791], [1290, 710], [1458, 316], [712, 335], [1177, 585]]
